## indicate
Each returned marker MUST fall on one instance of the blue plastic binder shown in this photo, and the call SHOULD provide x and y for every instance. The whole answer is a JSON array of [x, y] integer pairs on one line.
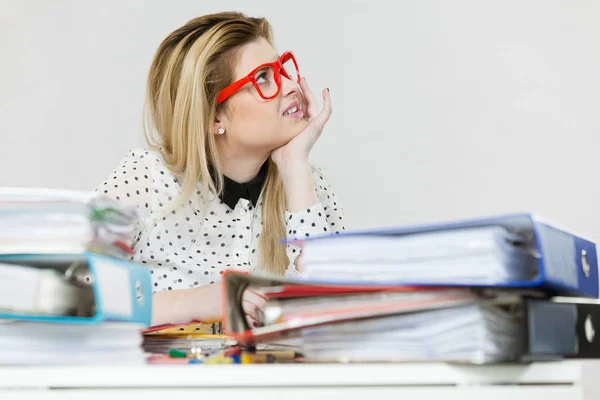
[[122, 289], [566, 263]]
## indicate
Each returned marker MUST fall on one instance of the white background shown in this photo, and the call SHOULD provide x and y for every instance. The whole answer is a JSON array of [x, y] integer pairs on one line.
[[442, 109]]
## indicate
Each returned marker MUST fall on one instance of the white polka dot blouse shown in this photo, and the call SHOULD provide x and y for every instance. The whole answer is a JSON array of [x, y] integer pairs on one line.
[[187, 245]]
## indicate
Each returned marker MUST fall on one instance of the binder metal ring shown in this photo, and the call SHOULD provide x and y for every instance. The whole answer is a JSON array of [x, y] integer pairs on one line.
[[585, 265], [588, 327]]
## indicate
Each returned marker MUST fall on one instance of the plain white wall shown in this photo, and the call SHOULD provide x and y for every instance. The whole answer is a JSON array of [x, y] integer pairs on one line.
[[442, 109]]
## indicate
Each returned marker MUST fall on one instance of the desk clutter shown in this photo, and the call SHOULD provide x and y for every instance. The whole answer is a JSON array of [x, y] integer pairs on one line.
[[508, 288], [68, 294]]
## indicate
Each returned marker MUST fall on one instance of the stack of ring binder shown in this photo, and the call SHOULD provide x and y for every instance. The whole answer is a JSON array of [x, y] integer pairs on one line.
[[509, 288], [67, 287]]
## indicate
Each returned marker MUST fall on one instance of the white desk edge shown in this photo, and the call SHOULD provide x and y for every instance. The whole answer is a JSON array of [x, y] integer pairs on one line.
[[570, 372]]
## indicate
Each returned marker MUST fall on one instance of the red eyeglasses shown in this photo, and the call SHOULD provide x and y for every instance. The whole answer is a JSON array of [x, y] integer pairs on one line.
[[266, 78]]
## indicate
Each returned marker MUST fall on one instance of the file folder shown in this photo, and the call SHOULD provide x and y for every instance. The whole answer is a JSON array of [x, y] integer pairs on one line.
[[564, 263], [122, 290], [409, 299], [415, 324]]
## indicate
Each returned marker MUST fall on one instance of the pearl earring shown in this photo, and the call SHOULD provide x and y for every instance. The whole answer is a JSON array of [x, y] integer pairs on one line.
[[221, 131]]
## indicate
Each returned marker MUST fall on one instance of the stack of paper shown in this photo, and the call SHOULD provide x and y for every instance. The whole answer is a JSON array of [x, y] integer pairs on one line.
[[473, 333], [68, 293], [204, 343], [44, 237], [395, 323], [42, 291], [483, 255], [46, 343], [42, 221], [184, 337], [194, 338]]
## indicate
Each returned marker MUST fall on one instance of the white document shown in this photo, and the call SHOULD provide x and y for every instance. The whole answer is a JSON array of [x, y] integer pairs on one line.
[[471, 255], [41, 291]]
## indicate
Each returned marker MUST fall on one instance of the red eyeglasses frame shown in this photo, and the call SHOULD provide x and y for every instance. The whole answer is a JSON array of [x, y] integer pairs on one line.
[[277, 67]]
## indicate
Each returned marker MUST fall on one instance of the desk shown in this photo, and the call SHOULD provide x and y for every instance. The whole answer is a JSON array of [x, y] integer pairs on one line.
[[572, 380]]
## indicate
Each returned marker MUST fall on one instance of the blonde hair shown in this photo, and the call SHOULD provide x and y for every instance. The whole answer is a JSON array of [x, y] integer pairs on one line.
[[191, 66]]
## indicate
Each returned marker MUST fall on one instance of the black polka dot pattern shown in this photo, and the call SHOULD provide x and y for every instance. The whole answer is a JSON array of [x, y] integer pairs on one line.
[[186, 244]]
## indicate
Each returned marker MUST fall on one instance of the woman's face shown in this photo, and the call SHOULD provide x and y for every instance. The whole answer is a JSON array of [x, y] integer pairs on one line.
[[253, 124]]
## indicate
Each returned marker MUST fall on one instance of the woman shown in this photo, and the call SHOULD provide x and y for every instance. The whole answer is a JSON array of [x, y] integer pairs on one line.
[[231, 125]]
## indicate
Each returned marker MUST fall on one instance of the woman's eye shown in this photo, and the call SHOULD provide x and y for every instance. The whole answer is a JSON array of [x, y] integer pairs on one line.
[[262, 77]]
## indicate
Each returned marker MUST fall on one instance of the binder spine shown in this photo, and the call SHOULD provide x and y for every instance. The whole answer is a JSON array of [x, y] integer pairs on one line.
[[588, 330], [568, 261], [551, 329], [123, 290], [558, 255], [565, 329]]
